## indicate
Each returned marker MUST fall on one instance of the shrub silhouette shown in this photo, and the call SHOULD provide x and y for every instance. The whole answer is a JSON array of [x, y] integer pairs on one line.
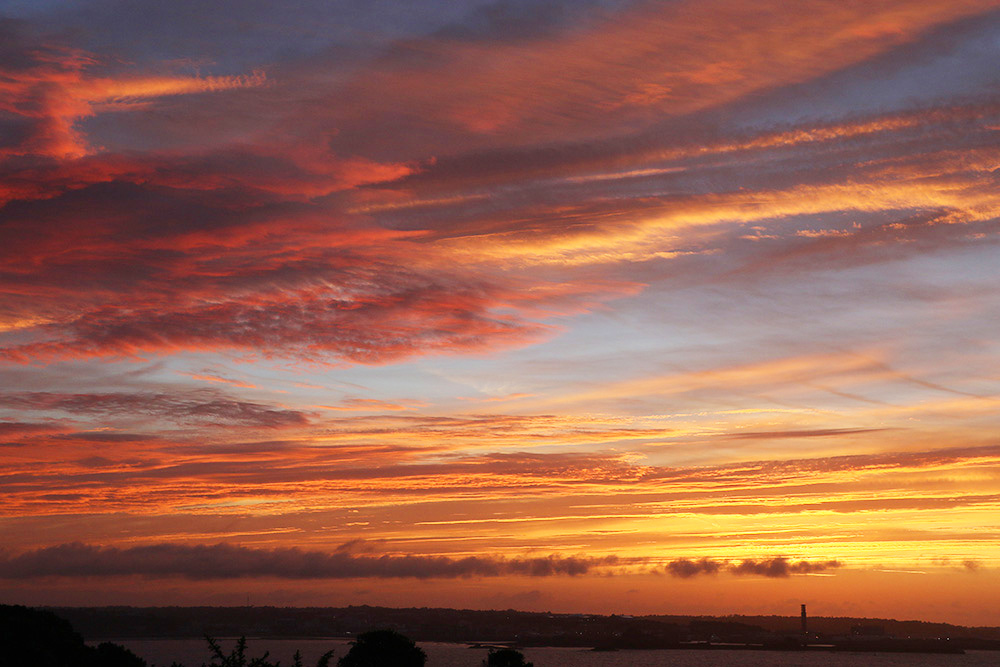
[[383, 648], [115, 655], [506, 657]]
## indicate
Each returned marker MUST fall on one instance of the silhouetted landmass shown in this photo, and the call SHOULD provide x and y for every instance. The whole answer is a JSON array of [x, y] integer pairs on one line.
[[845, 626], [422, 624], [531, 628]]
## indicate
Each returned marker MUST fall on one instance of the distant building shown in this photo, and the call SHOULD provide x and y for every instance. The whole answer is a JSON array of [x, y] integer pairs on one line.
[[867, 631]]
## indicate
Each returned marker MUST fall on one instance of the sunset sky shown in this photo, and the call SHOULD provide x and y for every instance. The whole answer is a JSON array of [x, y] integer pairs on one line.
[[686, 306]]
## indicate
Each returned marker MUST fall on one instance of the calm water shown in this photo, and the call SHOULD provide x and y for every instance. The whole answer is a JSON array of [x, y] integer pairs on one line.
[[192, 652]]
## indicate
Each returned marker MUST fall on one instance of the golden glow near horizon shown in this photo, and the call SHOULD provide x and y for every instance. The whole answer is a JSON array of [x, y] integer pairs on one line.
[[667, 307]]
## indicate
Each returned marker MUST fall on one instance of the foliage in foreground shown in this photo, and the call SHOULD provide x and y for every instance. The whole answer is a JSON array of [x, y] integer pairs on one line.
[[42, 639], [383, 648], [506, 657], [238, 657]]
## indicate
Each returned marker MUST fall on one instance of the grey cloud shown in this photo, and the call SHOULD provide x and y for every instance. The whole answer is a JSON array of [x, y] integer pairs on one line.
[[686, 568], [200, 406], [780, 567], [972, 565], [9, 428], [19, 434], [776, 567], [106, 436]]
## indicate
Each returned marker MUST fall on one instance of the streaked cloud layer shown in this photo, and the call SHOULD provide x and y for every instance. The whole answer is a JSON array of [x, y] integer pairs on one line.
[[502, 289]]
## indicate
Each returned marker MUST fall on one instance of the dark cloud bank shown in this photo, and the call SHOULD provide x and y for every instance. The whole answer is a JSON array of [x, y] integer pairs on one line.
[[225, 561]]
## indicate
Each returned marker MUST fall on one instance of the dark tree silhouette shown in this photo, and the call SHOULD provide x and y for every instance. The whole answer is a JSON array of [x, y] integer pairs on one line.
[[42, 639], [383, 648], [506, 657]]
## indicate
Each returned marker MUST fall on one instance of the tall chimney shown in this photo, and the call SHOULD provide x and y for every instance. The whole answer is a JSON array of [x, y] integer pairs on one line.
[[804, 628]]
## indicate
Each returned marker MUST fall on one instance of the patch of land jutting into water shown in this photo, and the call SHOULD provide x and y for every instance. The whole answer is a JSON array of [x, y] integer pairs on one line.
[[509, 627]]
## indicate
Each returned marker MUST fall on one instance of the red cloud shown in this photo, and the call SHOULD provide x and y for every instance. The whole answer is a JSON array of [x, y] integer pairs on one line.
[[259, 245], [50, 88]]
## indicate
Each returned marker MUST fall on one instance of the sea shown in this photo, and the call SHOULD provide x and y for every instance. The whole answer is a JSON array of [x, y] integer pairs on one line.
[[194, 652]]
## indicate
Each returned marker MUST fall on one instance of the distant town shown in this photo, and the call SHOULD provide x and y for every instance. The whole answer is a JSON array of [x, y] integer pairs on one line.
[[519, 628]]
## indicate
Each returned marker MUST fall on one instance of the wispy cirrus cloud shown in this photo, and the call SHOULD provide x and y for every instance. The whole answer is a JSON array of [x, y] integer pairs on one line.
[[373, 405], [632, 66], [333, 307]]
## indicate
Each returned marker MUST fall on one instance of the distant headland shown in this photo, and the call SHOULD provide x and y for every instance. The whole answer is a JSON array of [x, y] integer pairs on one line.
[[520, 628]]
